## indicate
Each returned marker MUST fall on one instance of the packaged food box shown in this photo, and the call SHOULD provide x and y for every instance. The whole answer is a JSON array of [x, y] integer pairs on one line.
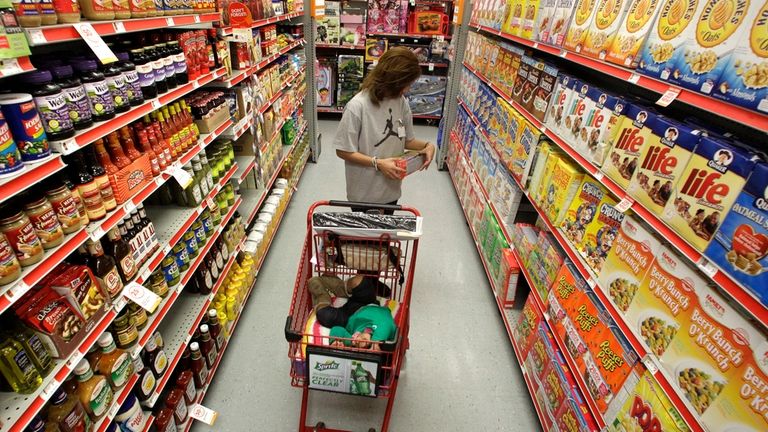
[[541, 354], [600, 235], [561, 19], [633, 32], [530, 88], [523, 152], [592, 126], [580, 23], [506, 196], [525, 331], [544, 19], [573, 117], [514, 21], [553, 257], [542, 94], [609, 15], [524, 237], [630, 140], [628, 261], [554, 386], [668, 37], [560, 101], [740, 246], [582, 210], [648, 409], [543, 172], [574, 416], [563, 186], [81, 288], [508, 278], [522, 84], [530, 15], [708, 186]]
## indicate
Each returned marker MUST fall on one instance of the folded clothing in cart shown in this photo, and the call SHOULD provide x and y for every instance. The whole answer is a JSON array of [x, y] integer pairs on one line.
[[368, 224]]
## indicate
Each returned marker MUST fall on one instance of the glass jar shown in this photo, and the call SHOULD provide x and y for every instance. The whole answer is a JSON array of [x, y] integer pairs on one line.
[[68, 11], [158, 284], [97, 10], [27, 13], [117, 87], [138, 314], [45, 221], [171, 270], [66, 209], [21, 235], [131, 77], [182, 256], [51, 105], [190, 241], [125, 330], [10, 268], [78, 105], [96, 88]]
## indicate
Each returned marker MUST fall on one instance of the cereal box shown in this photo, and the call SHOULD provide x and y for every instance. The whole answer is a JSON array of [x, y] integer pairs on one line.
[[744, 80], [514, 21], [633, 32], [709, 42], [574, 416], [709, 185], [740, 246], [523, 152], [540, 178], [648, 409], [561, 19], [537, 170], [578, 108], [547, 10], [541, 352], [662, 161], [522, 84], [601, 234], [530, 15], [667, 37], [609, 15], [567, 286], [604, 126], [630, 140], [582, 210], [563, 186], [531, 88], [580, 22], [554, 386], [515, 125], [626, 264], [559, 102], [543, 93]]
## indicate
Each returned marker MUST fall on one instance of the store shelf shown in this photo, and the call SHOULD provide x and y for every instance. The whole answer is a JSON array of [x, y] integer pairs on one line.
[[226, 31], [427, 116], [404, 36], [334, 46], [242, 127], [245, 165], [30, 175], [15, 66], [279, 93], [37, 36], [242, 74], [99, 130], [736, 291], [424, 64], [736, 113]]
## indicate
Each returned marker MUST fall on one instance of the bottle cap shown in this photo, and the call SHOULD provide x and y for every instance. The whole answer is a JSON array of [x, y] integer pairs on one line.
[[59, 397], [194, 346], [212, 313], [82, 367], [105, 339], [204, 328]]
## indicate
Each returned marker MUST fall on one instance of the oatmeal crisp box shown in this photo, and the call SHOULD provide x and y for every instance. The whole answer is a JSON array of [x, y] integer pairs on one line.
[[661, 162], [666, 36], [706, 190], [580, 23], [740, 246], [631, 137], [744, 80], [609, 16], [648, 409], [633, 31]]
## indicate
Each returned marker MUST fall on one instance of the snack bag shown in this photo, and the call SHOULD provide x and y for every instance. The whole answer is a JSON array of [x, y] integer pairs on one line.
[[580, 22], [662, 161], [583, 210], [633, 32], [609, 15], [563, 186], [706, 190], [648, 408], [601, 234], [630, 140], [740, 246], [667, 35]]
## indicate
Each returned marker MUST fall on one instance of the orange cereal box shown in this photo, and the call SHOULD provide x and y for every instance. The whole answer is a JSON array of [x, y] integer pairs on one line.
[[609, 15], [662, 161], [563, 186], [580, 22], [633, 32], [630, 140], [601, 234], [648, 409], [524, 332], [582, 210], [707, 188]]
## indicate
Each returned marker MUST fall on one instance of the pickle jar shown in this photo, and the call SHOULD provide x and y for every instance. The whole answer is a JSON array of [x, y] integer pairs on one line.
[[205, 219], [22, 237], [158, 284], [124, 327], [46, 223], [182, 256], [138, 315], [200, 233], [190, 242], [171, 270]]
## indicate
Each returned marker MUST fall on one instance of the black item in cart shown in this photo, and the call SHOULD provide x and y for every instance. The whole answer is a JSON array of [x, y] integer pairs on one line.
[[365, 221]]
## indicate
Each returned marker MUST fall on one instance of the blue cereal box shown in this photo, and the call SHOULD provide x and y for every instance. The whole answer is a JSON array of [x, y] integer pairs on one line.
[[667, 37], [740, 247]]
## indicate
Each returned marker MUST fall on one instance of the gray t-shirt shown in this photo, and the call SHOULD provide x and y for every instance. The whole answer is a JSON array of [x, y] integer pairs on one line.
[[372, 130]]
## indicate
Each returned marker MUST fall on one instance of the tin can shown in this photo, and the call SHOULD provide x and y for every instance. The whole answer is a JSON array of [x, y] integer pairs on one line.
[[24, 122], [10, 158]]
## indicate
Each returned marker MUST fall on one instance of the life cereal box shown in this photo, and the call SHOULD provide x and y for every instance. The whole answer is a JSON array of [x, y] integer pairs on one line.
[[662, 161], [561, 19], [609, 15], [744, 80], [648, 409], [578, 108], [740, 246], [523, 152], [709, 185], [601, 234], [561, 104], [709, 42], [594, 122], [633, 32], [626, 264], [667, 36], [563, 186], [530, 14], [582, 210], [630, 139], [580, 22]]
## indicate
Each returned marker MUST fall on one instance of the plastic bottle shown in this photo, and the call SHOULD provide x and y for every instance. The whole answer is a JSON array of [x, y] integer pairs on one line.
[[130, 417], [164, 422], [131, 77], [116, 82], [146, 73], [97, 89], [115, 364], [51, 104], [155, 357], [36, 350], [92, 390], [215, 329], [78, 105], [67, 412], [176, 403], [186, 384], [158, 67], [198, 366], [17, 368]]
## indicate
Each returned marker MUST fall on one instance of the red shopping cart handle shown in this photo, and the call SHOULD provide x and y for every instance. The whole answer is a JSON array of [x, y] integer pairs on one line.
[[365, 205]]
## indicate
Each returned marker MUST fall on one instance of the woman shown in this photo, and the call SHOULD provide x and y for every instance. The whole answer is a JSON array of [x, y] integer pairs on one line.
[[377, 127]]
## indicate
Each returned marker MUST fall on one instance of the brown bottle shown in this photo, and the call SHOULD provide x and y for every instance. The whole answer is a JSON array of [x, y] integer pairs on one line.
[[118, 249], [208, 346], [197, 365], [104, 268], [126, 138], [103, 157], [99, 174], [116, 151], [89, 190], [215, 329]]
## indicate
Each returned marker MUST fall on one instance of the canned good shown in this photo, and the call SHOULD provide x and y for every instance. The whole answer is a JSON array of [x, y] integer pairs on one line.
[[24, 122]]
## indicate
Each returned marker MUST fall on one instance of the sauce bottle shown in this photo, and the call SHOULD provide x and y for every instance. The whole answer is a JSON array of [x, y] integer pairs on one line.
[[156, 163], [164, 421], [179, 63], [198, 366], [125, 329], [89, 190], [103, 156], [68, 413], [35, 348], [208, 346], [176, 403], [104, 268], [146, 73], [186, 384], [81, 213], [158, 67], [17, 368], [203, 279], [215, 329], [147, 384], [155, 358], [99, 174], [92, 390], [126, 137], [97, 89], [121, 252], [115, 364]]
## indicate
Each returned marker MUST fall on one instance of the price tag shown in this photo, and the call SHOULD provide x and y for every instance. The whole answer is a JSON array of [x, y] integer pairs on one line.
[[650, 365], [598, 175], [195, 84], [75, 359], [707, 267], [668, 97], [441, 38], [97, 233], [129, 206], [624, 204], [113, 411], [563, 53], [591, 282], [197, 19], [431, 67], [19, 289], [535, 45], [120, 303], [156, 103], [95, 42], [49, 390], [142, 296], [543, 129], [119, 27], [209, 202], [169, 21], [634, 78], [36, 36], [182, 177], [203, 414]]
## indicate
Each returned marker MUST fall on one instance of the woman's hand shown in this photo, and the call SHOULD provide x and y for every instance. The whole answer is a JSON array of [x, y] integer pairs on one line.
[[389, 168], [429, 154]]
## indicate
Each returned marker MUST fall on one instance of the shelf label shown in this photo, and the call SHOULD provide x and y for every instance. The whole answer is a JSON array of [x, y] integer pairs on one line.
[[95, 42], [36, 36], [156, 103], [19, 289], [650, 365], [169, 21], [598, 175], [182, 177], [668, 97], [431, 67], [120, 303], [142, 296], [129, 206], [242, 35], [97, 233], [634, 78], [203, 414], [49, 390], [119, 27], [75, 359], [440, 38], [707, 267], [563, 53], [113, 411], [197, 19], [591, 282], [624, 204]]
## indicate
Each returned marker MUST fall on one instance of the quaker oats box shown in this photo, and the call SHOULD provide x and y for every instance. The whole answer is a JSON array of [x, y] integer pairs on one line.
[[609, 15], [648, 408], [630, 140], [576, 111], [580, 23], [662, 161], [633, 32], [720, 27], [557, 106], [570, 100], [740, 246], [561, 19], [667, 36], [610, 114], [744, 80], [706, 190]]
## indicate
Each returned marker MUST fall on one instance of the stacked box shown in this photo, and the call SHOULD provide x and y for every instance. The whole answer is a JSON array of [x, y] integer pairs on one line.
[[633, 32]]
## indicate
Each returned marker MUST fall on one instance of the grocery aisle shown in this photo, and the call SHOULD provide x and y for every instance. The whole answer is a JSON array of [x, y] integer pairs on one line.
[[460, 373]]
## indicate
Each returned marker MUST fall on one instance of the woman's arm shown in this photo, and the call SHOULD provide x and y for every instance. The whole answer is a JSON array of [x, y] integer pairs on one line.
[[423, 147], [385, 166]]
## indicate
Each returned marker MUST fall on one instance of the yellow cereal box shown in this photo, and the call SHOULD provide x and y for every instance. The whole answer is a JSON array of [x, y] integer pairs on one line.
[[563, 186], [582, 210], [707, 188], [523, 151], [633, 32], [661, 162], [600, 234], [580, 22], [609, 15], [549, 155], [530, 14], [648, 409], [515, 17], [515, 123], [631, 138]]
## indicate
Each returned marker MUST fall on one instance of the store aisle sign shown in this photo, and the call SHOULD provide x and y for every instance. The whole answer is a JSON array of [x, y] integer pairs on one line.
[[342, 375], [240, 15], [203, 414], [141, 296], [95, 42]]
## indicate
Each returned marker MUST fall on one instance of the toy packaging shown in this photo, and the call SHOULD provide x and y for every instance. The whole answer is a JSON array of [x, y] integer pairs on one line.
[[609, 15], [563, 186], [426, 105], [428, 85], [740, 246], [648, 407], [352, 34], [347, 90], [633, 32], [374, 49], [710, 183], [583, 210], [667, 37], [351, 66], [662, 161], [385, 17], [580, 22], [428, 22], [630, 139], [326, 88]]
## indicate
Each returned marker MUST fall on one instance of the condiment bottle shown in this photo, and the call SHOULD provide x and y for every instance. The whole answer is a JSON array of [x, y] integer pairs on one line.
[[47, 13], [22, 237], [155, 358], [115, 364], [139, 315], [182, 256], [130, 75], [37, 425], [35, 349], [97, 10], [200, 177], [99, 174], [186, 384], [170, 67], [146, 73], [131, 417], [215, 329], [127, 139], [179, 62], [92, 390], [208, 346], [190, 241], [164, 422], [68, 11], [27, 13], [203, 278], [10, 268], [147, 383], [105, 268], [67, 412], [121, 252], [199, 231], [171, 270], [81, 212], [78, 105], [156, 164], [89, 190], [159, 69], [116, 151], [139, 8], [158, 284], [96, 88], [116, 82], [198, 365], [43, 218], [65, 207], [17, 368], [103, 156], [51, 105], [175, 402]]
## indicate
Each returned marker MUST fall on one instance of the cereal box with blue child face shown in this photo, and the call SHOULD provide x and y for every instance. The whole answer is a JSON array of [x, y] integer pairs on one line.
[[580, 23], [578, 109], [597, 116], [583, 210], [560, 100], [740, 246], [744, 80], [667, 36], [630, 139], [609, 15], [707, 188], [662, 161], [563, 186], [632, 33]]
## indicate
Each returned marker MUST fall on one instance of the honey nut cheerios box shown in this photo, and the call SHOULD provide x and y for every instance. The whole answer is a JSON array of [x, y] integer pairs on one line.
[[633, 32], [667, 36], [609, 15], [706, 190], [744, 80], [630, 140], [581, 20], [648, 409], [661, 162], [740, 246]]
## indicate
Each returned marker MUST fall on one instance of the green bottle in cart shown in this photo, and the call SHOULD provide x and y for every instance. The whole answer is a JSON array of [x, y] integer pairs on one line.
[[361, 381]]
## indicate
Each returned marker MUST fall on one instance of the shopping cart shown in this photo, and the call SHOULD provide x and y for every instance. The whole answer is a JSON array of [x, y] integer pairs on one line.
[[344, 251]]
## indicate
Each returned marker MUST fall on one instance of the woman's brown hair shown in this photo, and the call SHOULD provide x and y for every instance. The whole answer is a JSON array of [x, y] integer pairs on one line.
[[397, 69]]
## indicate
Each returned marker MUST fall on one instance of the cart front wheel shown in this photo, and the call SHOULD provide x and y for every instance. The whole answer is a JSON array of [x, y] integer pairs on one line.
[[371, 430], [319, 426]]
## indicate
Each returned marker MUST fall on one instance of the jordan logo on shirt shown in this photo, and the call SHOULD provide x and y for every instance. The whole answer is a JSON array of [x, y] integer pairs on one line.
[[389, 130]]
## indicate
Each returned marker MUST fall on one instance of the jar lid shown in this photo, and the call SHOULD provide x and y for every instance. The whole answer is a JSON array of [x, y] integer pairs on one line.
[[84, 65], [59, 397], [82, 367], [62, 72], [14, 98], [122, 56], [37, 77]]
